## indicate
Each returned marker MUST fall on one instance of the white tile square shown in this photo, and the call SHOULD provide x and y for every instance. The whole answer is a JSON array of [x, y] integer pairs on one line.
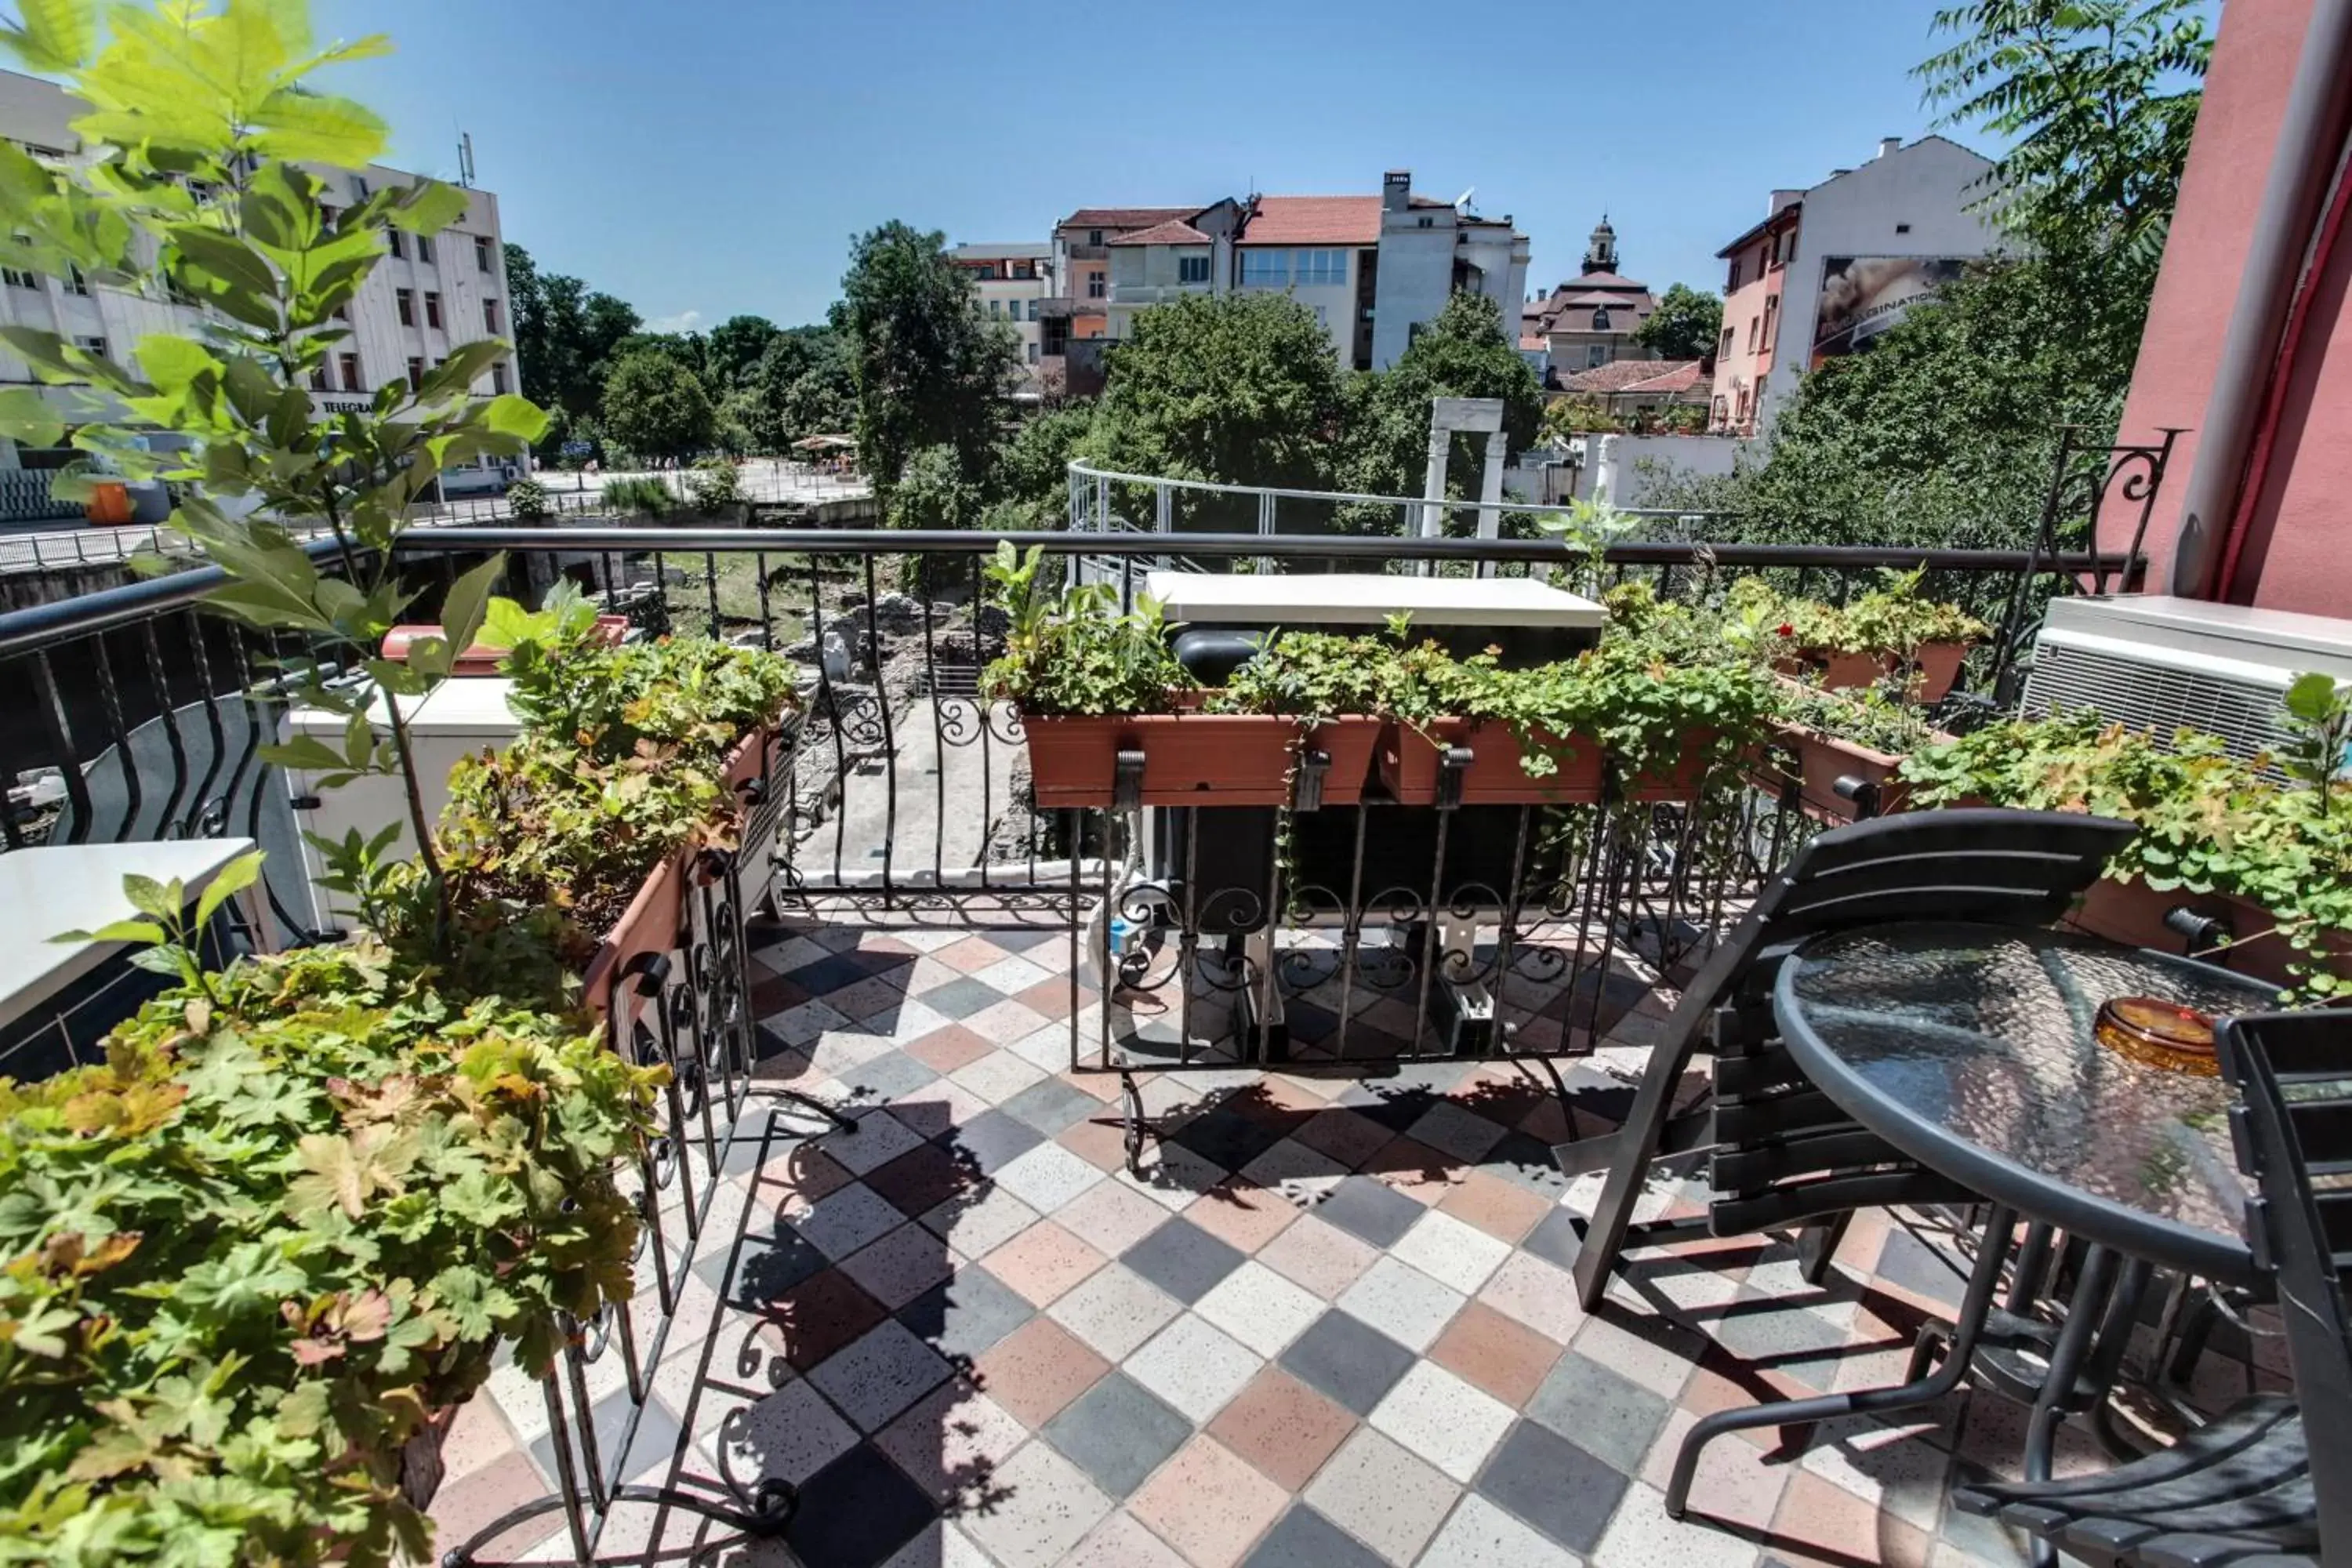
[[1381, 1494], [907, 1021], [1012, 975], [1403, 1303], [791, 954], [1533, 1292], [1481, 1535], [1047, 1176], [842, 1052], [1443, 1419], [1044, 1506], [1115, 1310], [1194, 1368], [840, 1223], [1173, 1175], [1005, 1022], [941, 1545], [997, 1077], [1260, 1308], [1047, 1049], [976, 1227], [1456, 1253], [880, 1138]]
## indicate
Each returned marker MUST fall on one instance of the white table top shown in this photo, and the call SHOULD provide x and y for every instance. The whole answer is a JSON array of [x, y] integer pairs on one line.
[[468, 706], [79, 887], [1368, 598]]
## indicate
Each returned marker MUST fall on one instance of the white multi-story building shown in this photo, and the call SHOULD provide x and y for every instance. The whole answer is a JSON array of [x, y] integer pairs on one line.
[[1014, 282], [1830, 268], [422, 302]]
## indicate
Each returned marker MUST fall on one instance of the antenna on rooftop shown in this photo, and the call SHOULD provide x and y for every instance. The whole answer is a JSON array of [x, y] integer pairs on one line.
[[1462, 201], [465, 159]]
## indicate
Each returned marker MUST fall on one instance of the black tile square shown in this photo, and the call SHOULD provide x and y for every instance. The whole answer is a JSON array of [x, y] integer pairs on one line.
[[766, 1266], [1524, 1158], [1228, 1137], [1305, 1539], [823, 975], [962, 1316], [961, 998], [1049, 1105], [856, 1511], [1370, 1209], [1553, 1484], [991, 1141], [1118, 1431], [1022, 939], [1908, 1262], [1183, 1259], [1609, 1416], [1395, 1109], [1557, 1237], [1348, 1359]]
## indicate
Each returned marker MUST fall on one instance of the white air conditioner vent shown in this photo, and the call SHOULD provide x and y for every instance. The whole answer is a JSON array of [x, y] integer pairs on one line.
[[2161, 664]]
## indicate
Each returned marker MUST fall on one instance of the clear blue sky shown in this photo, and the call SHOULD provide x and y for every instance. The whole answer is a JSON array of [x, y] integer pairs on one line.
[[704, 157]]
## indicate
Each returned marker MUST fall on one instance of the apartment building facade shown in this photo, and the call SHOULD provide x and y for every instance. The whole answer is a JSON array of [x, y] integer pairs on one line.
[[1014, 282], [1831, 267], [419, 305]]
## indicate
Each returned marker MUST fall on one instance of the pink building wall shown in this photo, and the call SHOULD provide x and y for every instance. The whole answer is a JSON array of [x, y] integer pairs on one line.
[[2295, 553]]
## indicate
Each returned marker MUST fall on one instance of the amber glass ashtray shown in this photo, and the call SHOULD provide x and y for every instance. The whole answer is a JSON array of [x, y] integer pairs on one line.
[[2163, 1035]]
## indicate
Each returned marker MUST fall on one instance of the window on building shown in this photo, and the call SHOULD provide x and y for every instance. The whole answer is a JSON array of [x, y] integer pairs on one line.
[[1094, 236], [432, 309], [92, 344], [327, 215], [1903, 228], [1032, 353], [1731, 281], [1033, 309], [1771, 322], [482, 253], [1426, 223], [17, 277], [75, 282], [350, 364], [1322, 269], [498, 378], [318, 381], [1723, 351], [1596, 355], [1191, 269], [1599, 318], [490, 315], [359, 189], [415, 370], [1095, 288], [1024, 269], [1755, 332], [1720, 414], [1266, 268], [404, 302], [425, 248], [399, 243]]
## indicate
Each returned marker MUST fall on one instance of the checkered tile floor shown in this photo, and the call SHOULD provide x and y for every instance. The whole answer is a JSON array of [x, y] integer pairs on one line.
[[1330, 1326]]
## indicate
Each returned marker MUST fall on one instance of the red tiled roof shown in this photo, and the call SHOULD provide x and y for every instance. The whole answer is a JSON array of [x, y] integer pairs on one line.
[[1314, 220], [1589, 281], [1533, 340], [1682, 378], [1625, 375], [1175, 231], [1124, 218]]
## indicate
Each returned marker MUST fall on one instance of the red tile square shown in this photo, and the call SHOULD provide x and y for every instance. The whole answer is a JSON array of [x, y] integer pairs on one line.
[[1042, 1262], [944, 1050], [1048, 998], [1502, 1209], [1505, 1358], [1282, 1427], [1037, 1370], [970, 955], [1100, 1144], [821, 1315], [1242, 1213], [1421, 1173]]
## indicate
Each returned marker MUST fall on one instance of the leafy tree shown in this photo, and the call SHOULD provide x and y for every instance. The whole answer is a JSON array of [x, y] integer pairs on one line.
[[932, 492], [198, 183], [800, 385], [1238, 387], [564, 333], [691, 350], [2097, 98], [1462, 353], [654, 405], [735, 345], [1685, 324], [929, 369]]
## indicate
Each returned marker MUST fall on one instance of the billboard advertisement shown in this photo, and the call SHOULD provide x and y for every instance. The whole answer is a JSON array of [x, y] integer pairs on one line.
[[1862, 295]]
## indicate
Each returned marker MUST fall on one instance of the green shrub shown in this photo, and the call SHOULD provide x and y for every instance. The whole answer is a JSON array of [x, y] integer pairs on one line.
[[643, 494], [713, 484], [289, 1219], [527, 501]]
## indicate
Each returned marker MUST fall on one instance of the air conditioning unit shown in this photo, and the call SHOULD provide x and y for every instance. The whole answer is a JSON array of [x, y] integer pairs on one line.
[[2161, 664]]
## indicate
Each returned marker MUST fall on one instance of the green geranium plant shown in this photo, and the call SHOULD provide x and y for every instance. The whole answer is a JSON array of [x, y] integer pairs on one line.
[[204, 134]]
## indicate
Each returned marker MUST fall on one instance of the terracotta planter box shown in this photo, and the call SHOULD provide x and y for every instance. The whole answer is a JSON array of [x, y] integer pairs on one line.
[[1408, 762], [2132, 911], [1193, 759], [1938, 664], [481, 659], [1350, 742], [1681, 780]]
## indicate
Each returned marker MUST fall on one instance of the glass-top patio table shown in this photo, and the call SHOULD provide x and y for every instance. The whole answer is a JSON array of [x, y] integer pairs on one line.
[[1972, 1049]]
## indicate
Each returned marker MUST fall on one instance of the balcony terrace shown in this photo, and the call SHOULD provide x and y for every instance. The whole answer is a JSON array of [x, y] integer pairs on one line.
[[1103, 1267]]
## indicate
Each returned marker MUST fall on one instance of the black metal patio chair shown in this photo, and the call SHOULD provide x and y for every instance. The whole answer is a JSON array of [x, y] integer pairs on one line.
[[2268, 1483], [1783, 1154]]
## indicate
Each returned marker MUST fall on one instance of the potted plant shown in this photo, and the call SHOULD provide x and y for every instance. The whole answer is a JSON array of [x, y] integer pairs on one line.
[[1889, 631], [1818, 738], [1320, 692]]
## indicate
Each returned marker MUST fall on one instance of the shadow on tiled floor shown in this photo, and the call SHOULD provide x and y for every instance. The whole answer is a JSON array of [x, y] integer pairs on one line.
[[1330, 1324]]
